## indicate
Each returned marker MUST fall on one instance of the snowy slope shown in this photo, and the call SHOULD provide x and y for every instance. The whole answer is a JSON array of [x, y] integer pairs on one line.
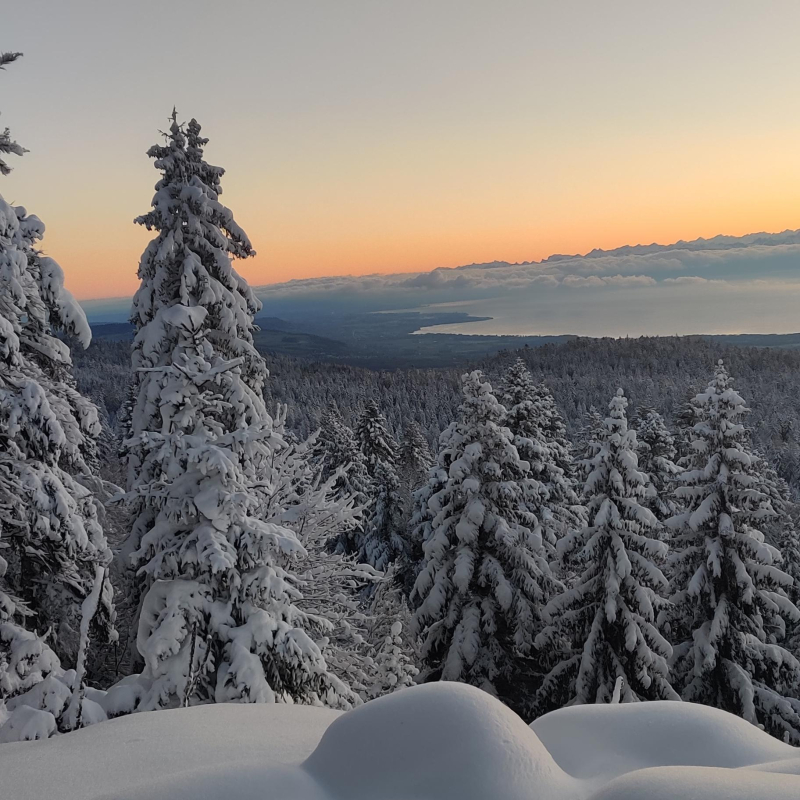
[[433, 742], [111, 758]]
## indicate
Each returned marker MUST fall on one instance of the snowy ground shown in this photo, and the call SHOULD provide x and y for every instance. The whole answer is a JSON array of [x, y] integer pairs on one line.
[[432, 742]]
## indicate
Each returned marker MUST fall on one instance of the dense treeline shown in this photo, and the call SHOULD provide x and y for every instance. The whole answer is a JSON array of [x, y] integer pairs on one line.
[[661, 373]]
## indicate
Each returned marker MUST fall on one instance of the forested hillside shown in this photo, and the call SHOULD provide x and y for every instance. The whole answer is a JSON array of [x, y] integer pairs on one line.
[[658, 372]]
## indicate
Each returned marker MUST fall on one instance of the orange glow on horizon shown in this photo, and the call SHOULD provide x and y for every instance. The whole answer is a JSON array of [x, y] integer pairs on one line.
[[108, 273], [626, 192]]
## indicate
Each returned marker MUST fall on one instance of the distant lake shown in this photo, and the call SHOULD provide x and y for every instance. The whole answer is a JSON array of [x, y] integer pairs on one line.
[[661, 310]]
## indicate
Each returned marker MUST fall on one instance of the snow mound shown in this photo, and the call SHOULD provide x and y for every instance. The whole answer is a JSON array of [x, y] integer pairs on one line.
[[604, 741], [443, 741], [433, 741], [700, 783]]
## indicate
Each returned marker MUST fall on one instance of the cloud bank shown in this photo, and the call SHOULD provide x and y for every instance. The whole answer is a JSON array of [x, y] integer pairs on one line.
[[721, 285], [703, 261]]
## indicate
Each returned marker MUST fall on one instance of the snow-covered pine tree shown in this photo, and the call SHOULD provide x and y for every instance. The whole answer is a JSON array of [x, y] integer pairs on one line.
[[730, 603], [485, 575], [414, 459], [782, 531], [413, 463], [65, 540], [26, 660], [657, 454], [385, 531], [685, 419], [330, 452], [53, 547], [219, 619], [189, 262], [337, 454], [374, 438], [336, 451], [607, 619], [539, 438]]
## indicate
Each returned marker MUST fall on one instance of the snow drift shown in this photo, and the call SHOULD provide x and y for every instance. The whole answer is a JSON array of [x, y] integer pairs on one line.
[[431, 742]]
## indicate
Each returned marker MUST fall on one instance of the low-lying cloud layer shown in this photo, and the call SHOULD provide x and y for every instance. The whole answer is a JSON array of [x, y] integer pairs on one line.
[[725, 284], [756, 256]]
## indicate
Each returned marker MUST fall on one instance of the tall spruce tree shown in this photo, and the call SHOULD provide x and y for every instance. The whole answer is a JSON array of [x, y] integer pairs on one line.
[[219, 619], [337, 455], [730, 604], [414, 459], [539, 437], [484, 577], [377, 443], [603, 627], [552, 424], [54, 553], [385, 535]]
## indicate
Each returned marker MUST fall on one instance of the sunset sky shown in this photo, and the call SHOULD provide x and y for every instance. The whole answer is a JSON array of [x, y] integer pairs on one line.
[[377, 136]]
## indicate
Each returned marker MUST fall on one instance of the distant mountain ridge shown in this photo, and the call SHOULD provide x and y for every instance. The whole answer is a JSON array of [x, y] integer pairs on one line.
[[719, 242]]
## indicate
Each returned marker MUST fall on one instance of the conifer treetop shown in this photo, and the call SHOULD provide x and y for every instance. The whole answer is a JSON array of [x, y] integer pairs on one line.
[[377, 443], [189, 261], [7, 145]]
